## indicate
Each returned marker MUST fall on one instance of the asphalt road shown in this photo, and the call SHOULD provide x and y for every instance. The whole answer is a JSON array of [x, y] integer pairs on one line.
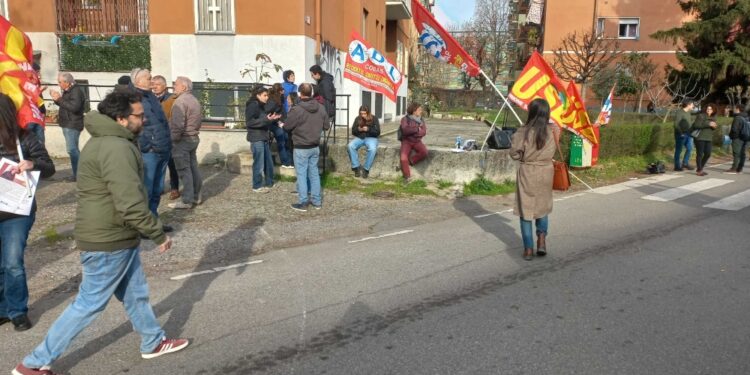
[[649, 277]]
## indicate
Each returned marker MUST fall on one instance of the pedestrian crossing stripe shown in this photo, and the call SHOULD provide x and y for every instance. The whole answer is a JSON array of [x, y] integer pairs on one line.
[[611, 189], [686, 190], [732, 203]]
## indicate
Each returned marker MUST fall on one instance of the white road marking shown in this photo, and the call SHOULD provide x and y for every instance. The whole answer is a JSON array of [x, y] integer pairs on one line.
[[493, 214], [685, 190], [383, 236], [732, 203], [569, 197], [214, 270], [611, 189]]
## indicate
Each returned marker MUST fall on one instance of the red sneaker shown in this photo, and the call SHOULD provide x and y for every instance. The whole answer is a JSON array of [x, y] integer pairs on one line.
[[167, 346], [23, 370]]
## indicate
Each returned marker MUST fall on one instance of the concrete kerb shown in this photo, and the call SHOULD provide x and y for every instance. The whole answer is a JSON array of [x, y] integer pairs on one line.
[[230, 148]]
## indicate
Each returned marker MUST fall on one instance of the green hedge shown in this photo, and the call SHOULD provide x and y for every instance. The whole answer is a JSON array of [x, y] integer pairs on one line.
[[634, 139], [131, 52]]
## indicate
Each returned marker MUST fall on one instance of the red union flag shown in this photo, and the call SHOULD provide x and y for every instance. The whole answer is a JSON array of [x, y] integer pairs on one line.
[[368, 67], [440, 43], [18, 79], [538, 80]]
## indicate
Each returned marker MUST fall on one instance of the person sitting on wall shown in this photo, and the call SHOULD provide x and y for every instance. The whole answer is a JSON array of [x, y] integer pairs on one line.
[[366, 130]]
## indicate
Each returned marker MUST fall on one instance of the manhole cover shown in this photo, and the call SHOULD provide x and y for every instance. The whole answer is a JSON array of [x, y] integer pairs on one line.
[[384, 194]]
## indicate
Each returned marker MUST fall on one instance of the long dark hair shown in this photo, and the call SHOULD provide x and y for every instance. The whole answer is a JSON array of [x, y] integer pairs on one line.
[[538, 121], [275, 93], [368, 118], [9, 129], [712, 106]]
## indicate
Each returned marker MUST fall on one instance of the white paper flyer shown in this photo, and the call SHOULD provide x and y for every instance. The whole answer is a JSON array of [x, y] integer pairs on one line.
[[16, 192]]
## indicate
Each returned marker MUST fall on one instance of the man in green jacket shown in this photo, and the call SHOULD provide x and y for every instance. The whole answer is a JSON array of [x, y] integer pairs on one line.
[[112, 215], [682, 125]]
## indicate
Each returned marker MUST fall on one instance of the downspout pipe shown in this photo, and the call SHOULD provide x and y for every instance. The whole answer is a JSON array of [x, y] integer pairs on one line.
[[318, 26]]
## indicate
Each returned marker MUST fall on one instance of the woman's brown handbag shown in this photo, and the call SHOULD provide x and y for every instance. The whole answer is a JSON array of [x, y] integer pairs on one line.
[[561, 180]]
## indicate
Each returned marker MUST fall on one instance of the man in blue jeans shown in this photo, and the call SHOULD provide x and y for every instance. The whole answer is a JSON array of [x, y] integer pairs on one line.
[[305, 122], [682, 138], [155, 140], [112, 214], [72, 103]]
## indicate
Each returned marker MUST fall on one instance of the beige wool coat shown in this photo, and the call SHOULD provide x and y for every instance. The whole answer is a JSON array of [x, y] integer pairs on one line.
[[535, 173]]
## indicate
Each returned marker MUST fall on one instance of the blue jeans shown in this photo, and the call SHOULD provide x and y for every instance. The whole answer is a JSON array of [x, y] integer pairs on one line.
[[14, 294], [372, 149], [105, 273], [306, 166], [71, 144], [285, 158], [680, 142], [262, 164], [38, 131], [154, 167], [541, 228]]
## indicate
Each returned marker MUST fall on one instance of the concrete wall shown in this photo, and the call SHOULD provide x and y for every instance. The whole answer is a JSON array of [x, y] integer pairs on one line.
[[441, 164]]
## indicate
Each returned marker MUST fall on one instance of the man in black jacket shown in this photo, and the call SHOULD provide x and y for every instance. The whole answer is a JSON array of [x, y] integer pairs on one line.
[[366, 130], [72, 103], [327, 89], [739, 145]]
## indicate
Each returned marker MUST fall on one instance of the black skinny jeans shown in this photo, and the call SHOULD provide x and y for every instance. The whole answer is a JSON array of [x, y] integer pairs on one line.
[[702, 153]]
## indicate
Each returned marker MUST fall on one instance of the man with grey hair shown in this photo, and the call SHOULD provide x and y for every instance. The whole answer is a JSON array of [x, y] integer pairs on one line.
[[72, 103], [184, 125], [156, 147]]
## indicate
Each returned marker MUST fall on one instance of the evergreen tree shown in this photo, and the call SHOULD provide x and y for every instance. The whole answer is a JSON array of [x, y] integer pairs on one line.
[[716, 43]]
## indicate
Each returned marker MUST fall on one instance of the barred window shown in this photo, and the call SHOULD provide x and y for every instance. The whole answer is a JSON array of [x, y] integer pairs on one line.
[[214, 16], [102, 16]]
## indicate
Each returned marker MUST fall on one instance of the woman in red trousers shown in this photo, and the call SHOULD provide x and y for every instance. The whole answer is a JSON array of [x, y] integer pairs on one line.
[[413, 128]]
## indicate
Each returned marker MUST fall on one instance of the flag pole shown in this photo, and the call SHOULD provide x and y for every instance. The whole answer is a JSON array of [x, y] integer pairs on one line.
[[505, 103], [501, 95]]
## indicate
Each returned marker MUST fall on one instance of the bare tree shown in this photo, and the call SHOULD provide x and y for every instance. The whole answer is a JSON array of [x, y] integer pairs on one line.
[[583, 55], [674, 89], [642, 70], [490, 27]]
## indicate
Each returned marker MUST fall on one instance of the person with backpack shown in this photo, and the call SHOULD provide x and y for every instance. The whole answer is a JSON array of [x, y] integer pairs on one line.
[[412, 129], [740, 135]]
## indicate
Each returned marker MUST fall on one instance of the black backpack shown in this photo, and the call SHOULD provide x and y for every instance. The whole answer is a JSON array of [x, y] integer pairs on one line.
[[745, 129], [500, 139]]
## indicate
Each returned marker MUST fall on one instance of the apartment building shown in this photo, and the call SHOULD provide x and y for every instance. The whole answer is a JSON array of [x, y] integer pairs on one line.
[[216, 39]]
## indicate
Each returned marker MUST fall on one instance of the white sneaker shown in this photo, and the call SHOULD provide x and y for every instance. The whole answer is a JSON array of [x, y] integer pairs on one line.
[[180, 205], [261, 190]]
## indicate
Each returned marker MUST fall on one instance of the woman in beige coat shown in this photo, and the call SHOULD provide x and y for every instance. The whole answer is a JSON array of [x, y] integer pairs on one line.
[[534, 145]]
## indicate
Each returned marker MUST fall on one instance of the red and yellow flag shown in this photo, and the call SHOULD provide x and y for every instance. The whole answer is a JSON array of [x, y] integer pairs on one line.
[[567, 110], [18, 79]]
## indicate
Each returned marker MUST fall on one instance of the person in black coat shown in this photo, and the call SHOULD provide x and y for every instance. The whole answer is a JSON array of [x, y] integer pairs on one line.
[[366, 130], [72, 103], [14, 229], [258, 123], [327, 89]]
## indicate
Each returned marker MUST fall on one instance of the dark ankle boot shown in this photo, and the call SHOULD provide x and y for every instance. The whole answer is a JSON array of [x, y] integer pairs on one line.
[[356, 172], [365, 173], [541, 245]]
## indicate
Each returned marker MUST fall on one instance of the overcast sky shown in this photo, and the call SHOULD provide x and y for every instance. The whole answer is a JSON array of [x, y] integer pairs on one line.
[[453, 11]]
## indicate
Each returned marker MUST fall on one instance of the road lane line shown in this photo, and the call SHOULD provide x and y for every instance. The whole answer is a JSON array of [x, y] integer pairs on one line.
[[685, 190], [214, 270], [383, 236], [493, 214], [616, 188], [732, 203]]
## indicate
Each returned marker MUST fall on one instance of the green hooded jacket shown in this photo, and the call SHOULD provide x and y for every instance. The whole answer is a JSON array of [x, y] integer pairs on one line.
[[112, 203]]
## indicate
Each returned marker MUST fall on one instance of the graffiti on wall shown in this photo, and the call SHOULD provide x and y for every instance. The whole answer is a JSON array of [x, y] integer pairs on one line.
[[330, 60]]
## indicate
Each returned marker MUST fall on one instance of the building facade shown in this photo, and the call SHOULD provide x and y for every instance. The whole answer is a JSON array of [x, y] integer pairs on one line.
[[215, 40], [544, 23]]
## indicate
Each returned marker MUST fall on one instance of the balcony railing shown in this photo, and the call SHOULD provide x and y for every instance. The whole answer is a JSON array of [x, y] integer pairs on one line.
[[102, 16]]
